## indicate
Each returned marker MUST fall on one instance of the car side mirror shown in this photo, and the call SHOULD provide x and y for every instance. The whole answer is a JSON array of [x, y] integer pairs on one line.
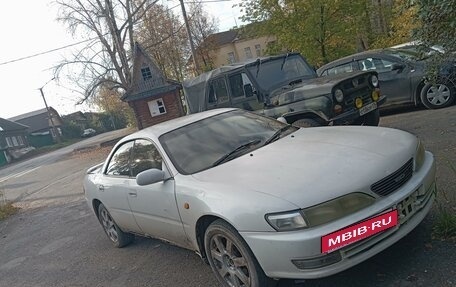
[[397, 67], [150, 176]]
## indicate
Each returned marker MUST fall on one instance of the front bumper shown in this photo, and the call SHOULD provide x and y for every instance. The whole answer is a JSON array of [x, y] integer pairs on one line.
[[353, 114], [276, 250]]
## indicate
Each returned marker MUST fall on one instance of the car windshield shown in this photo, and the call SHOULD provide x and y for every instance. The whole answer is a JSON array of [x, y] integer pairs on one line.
[[208, 142], [281, 71]]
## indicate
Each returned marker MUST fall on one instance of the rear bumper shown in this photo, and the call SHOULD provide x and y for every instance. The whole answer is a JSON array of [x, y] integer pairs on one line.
[[275, 251]]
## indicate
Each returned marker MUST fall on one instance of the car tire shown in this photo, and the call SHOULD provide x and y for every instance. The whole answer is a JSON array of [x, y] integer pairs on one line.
[[437, 96], [114, 233], [306, 123], [230, 258]]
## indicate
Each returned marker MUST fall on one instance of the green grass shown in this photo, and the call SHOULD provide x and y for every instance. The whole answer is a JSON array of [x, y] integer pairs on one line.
[[445, 226], [7, 210]]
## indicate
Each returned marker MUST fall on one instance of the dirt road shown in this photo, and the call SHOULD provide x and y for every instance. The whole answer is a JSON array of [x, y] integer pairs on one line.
[[56, 241]]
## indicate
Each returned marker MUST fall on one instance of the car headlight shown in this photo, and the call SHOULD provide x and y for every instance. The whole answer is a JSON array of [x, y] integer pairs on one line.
[[339, 95], [419, 155], [374, 80], [286, 221], [337, 208]]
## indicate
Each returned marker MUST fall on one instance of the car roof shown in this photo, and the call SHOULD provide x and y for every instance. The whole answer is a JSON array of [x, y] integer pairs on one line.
[[350, 58], [155, 131]]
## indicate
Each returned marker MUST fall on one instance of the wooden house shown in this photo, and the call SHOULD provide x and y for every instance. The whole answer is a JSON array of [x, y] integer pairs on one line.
[[152, 97]]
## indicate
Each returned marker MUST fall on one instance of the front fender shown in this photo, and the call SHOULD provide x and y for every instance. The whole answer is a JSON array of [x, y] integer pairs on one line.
[[243, 209]]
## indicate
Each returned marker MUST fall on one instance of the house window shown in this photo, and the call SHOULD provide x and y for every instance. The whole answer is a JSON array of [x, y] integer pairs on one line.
[[248, 53], [146, 73], [156, 107], [9, 143], [231, 58], [21, 141], [258, 50], [15, 143]]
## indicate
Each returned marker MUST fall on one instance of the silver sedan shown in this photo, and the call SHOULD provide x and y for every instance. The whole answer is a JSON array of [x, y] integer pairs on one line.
[[261, 200]]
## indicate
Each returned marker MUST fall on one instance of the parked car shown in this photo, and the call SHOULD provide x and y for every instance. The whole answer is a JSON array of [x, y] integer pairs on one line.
[[88, 133], [287, 87], [261, 199], [402, 74]]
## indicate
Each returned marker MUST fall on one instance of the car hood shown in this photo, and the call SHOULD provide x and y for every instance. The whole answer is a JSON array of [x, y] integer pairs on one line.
[[315, 86], [314, 165]]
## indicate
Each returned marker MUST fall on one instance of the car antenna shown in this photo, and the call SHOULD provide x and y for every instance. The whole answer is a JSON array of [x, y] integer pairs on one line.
[[284, 60], [258, 67]]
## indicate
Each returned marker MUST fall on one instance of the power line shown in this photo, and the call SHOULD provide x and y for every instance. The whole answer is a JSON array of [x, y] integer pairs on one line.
[[46, 52], [83, 41]]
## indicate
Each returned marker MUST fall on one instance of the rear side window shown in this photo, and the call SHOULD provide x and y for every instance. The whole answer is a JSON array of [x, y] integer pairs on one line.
[[144, 156], [119, 165], [345, 68], [375, 64], [218, 92]]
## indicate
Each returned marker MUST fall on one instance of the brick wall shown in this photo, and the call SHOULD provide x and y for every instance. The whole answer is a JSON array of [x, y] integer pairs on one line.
[[172, 104]]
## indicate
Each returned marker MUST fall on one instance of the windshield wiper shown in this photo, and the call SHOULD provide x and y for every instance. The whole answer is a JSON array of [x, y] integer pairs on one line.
[[236, 150], [276, 135]]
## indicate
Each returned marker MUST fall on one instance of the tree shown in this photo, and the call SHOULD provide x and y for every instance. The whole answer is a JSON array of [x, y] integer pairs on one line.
[[322, 30], [167, 42], [109, 26], [438, 25], [399, 21], [108, 100], [201, 27]]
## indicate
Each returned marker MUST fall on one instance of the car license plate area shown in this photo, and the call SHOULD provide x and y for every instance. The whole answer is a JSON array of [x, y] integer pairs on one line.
[[367, 108], [406, 208], [359, 231]]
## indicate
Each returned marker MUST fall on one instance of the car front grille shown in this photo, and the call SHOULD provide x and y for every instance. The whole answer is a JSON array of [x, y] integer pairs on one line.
[[395, 180]]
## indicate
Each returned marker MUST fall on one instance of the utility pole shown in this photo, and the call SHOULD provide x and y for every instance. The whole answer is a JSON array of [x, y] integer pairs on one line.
[[56, 132], [189, 33]]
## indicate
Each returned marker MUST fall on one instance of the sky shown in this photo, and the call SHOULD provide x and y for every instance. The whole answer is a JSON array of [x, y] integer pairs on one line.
[[30, 27]]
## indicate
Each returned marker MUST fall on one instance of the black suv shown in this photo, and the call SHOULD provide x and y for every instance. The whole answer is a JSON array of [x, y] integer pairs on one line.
[[286, 87]]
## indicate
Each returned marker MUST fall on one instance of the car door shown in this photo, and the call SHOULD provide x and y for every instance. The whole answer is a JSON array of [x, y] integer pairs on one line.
[[113, 186], [217, 96], [154, 206], [394, 83], [243, 93]]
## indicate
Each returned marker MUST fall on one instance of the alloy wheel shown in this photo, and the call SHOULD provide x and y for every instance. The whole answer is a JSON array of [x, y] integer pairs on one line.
[[230, 263], [108, 225], [438, 95]]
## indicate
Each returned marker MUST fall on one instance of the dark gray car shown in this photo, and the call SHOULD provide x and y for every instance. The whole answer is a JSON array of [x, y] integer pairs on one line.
[[402, 75]]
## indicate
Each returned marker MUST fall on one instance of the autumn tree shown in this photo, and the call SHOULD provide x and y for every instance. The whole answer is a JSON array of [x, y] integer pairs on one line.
[[166, 42], [109, 26], [322, 30], [202, 25], [107, 99], [438, 25], [395, 23]]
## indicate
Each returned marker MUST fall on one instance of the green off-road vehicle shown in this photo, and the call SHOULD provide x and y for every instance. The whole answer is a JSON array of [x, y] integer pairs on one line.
[[286, 87]]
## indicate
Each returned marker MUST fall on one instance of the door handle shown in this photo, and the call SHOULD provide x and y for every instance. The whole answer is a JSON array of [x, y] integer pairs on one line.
[[101, 187], [133, 193]]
